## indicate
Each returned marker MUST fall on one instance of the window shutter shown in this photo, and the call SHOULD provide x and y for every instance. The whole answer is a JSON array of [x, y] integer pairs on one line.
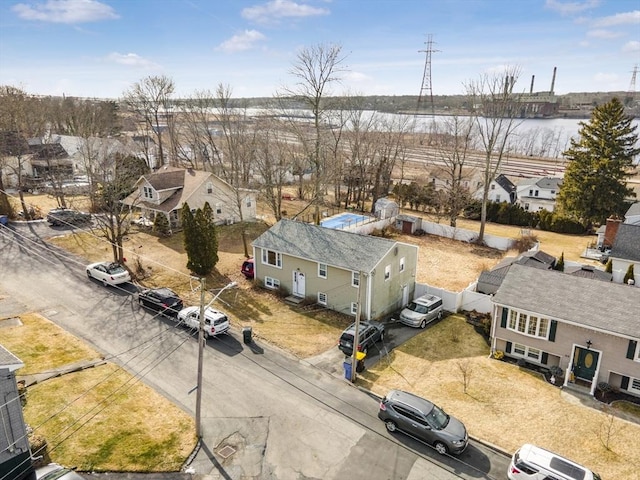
[[508, 349], [545, 358], [624, 384], [552, 330], [505, 314], [631, 349]]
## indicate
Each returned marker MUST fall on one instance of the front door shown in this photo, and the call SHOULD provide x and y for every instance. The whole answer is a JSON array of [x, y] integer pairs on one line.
[[298, 284], [585, 362], [405, 295]]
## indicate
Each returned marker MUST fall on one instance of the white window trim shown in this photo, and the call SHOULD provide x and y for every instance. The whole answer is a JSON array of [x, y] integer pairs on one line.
[[272, 283], [265, 258], [322, 298], [147, 192], [526, 324], [320, 265], [218, 209], [402, 262], [527, 350], [355, 279], [209, 188], [632, 387], [387, 273], [354, 308]]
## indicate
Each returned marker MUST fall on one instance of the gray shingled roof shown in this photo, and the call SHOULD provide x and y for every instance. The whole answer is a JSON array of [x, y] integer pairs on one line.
[[9, 360], [627, 243], [588, 271], [338, 248], [634, 209], [606, 306]]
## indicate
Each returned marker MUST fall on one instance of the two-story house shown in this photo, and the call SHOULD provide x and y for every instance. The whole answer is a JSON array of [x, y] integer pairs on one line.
[[335, 268], [625, 252], [501, 189], [588, 328], [167, 190], [535, 194]]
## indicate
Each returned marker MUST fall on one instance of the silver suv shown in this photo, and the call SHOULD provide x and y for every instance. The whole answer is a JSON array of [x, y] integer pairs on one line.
[[421, 311], [423, 420]]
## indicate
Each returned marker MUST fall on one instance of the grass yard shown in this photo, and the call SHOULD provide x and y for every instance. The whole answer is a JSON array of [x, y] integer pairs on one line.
[[101, 418], [500, 405]]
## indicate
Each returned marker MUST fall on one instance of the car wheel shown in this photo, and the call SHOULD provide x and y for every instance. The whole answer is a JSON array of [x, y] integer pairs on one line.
[[88, 274], [440, 315], [206, 335], [391, 425], [105, 283], [141, 302], [441, 448], [423, 324], [382, 336]]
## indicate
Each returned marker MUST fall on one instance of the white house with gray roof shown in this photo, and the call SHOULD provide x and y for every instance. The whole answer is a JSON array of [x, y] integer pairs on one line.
[[588, 328], [334, 268], [625, 252], [535, 194]]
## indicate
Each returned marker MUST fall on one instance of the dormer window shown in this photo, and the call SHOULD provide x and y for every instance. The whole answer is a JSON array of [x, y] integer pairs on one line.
[[147, 192]]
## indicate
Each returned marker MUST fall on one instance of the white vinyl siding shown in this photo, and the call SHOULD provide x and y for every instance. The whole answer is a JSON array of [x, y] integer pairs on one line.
[[322, 270], [355, 279]]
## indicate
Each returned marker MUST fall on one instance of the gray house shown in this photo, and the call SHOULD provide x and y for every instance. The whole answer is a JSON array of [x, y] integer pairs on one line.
[[15, 454], [588, 328], [335, 268], [625, 252], [489, 281]]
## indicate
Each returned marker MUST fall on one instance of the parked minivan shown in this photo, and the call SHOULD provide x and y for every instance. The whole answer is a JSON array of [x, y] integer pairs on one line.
[[535, 463], [215, 322], [421, 311]]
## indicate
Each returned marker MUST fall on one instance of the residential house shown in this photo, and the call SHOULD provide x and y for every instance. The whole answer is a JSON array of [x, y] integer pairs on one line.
[[587, 328], [501, 189], [335, 268], [489, 281], [15, 453], [632, 215], [588, 271], [167, 190], [535, 194], [625, 251]]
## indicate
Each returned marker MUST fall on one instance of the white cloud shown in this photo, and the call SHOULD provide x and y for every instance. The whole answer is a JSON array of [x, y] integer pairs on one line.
[[66, 11], [605, 77], [277, 9], [130, 60], [631, 47], [241, 41], [627, 18], [601, 33], [356, 77], [571, 8]]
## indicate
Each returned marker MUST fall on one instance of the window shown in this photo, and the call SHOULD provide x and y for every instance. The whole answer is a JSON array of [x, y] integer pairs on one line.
[[634, 384], [148, 192], [269, 257], [402, 264], [529, 353], [497, 198], [387, 272], [493, 187], [322, 298], [528, 324], [355, 279], [272, 283], [322, 270], [526, 207], [218, 209], [209, 187], [531, 193], [354, 308], [248, 203], [536, 193]]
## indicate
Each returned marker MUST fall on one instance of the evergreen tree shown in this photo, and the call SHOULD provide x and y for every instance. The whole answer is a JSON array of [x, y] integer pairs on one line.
[[609, 267], [594, 185], [560, 263], [629, 275], [200, 239]]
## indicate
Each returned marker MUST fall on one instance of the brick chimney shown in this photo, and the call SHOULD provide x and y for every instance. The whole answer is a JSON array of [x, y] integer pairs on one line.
[[610, 231]]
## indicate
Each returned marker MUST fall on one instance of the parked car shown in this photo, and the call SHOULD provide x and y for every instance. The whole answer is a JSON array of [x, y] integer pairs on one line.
[[215, 322], [423, 420], [369, 333], [162, 300], [65, 216], [53, 471], [247, 268], [535, 463], [109, 273], [422, 311], [143, 221]]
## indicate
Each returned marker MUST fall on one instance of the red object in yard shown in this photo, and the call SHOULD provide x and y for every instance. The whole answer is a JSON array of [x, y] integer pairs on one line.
[[247, 268]]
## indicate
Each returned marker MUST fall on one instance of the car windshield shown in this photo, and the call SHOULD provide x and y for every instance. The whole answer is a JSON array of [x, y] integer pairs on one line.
[[416, 307], [115, 268], [437, 418]]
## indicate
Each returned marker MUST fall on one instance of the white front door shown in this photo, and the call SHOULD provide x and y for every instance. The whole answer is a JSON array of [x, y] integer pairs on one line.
[[405, 295], [298, 284]]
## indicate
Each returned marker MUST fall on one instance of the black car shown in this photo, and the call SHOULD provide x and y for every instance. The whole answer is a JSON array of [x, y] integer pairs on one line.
[[162, 300], [65, 216], [368, 334]]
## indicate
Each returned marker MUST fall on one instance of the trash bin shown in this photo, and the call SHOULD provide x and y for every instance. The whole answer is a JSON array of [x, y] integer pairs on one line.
[[347, 369], [360, 356], [4, 220], [246, 334]]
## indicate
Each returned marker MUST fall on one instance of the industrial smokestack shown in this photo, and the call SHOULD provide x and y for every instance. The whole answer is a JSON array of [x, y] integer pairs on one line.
[[506, 84], [553, 80], [533, 77]]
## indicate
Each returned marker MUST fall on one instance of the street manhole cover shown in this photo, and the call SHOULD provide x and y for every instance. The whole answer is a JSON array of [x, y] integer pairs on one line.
[[226, 452]]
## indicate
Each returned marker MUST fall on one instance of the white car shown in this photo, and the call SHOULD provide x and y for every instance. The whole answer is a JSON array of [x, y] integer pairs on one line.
[[109, 273], [53, 471], [215, 322]]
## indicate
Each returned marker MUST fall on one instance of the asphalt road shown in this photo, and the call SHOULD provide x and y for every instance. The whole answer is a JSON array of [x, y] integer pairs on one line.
[[283, 418]]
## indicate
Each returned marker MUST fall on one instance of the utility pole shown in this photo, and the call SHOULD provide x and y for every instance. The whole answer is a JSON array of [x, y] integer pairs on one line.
[[200, 361], [356, 333]]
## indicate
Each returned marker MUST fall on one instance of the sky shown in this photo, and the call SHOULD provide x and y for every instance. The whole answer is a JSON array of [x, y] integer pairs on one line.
[[101, 48]]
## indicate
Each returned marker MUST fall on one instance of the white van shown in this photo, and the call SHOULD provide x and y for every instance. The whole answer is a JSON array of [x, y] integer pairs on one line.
[[421, 311], [215, 322], [535, 463]]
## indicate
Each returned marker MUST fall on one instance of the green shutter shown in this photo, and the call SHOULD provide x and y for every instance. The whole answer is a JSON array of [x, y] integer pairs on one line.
[[545, 358], [552, 330], [508, 348], [631, 349], [505, 314], [624, 384]]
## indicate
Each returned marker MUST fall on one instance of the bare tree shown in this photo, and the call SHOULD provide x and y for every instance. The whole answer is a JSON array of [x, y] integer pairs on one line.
[[316, 68], [499, 106], [150, 100], [466, 370]]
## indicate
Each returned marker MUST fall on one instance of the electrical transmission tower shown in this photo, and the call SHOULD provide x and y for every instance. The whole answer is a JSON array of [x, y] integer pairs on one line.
[[632, 85], [426, 92]]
